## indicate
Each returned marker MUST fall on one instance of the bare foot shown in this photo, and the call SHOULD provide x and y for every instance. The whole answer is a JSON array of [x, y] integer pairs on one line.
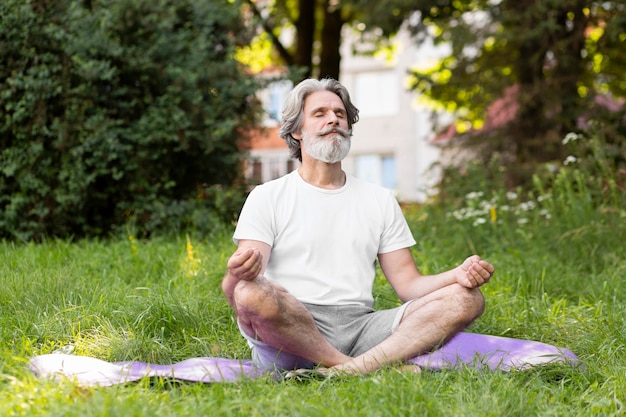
[[409, 368]]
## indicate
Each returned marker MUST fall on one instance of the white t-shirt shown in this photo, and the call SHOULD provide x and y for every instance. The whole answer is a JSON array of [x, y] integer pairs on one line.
[[324, 242]]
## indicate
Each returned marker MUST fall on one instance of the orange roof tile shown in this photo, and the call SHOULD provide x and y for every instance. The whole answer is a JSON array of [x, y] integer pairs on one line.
[[267, 138]]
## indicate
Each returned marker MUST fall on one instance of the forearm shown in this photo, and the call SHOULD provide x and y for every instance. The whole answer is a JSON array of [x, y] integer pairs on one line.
[[426, 284], [403, 275], [472, 273]]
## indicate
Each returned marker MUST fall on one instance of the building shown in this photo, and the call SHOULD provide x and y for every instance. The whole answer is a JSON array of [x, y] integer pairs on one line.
[[392, 142], [269, 154]]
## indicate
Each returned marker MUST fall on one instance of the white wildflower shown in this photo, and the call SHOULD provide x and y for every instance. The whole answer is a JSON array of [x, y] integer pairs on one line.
[[545, 213], [486, 205], [527, 205], [570, 160], [546, 196], [474, 195], [459, 214], [570, 137], [478, 221]]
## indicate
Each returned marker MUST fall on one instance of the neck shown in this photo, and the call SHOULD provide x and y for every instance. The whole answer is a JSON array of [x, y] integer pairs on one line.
[[322, 175]]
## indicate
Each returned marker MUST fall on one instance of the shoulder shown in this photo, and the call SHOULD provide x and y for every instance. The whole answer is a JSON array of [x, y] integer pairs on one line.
[[275, 186], [369, 189]]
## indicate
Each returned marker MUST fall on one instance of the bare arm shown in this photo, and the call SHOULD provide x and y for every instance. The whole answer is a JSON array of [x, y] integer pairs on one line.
[[402, 273], [248, 262]]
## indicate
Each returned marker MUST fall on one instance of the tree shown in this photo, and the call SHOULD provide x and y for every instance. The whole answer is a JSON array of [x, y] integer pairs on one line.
[[314, 48], [119, 111], [553, 56]]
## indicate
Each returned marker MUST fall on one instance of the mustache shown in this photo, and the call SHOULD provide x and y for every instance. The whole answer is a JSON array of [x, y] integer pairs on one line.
[[345, 133]]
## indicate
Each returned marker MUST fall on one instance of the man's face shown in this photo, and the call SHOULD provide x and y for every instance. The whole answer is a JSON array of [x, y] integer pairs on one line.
[[325, 135]]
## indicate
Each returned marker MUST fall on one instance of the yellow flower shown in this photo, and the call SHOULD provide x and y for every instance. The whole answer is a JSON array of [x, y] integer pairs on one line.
[[189, 249], [190, 264], [133, 244]]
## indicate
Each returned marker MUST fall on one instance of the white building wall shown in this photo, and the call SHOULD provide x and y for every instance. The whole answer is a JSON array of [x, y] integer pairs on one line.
[[401, 129]]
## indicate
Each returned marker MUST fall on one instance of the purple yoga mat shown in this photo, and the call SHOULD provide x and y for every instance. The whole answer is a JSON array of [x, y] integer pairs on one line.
[[493, 352], [465, 349]]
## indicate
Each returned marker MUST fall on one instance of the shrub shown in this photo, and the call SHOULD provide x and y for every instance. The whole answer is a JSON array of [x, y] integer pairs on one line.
[[573, 211], [112, 110]]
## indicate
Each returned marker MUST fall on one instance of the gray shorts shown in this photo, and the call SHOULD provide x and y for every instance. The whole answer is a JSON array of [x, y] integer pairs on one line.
[[351, 329]]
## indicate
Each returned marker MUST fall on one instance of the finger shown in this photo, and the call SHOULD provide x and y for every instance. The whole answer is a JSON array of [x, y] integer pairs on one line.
[[239, 264], [473, 258], [483, 273], [239, 257], [252, 267], [251, 271], [468, 278], [487, 266], [476, 278], [253, 259], [467, 264], [472, 283], [248, 256]]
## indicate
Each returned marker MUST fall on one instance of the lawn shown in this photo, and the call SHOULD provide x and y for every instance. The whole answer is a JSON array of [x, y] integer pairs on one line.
[[560, 268]]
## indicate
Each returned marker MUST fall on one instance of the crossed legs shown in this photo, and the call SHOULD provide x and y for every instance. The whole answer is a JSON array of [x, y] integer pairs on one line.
[[269, 313], [427, 323], [274, 316]]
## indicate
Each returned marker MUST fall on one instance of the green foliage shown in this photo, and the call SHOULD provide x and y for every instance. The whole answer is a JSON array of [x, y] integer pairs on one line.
[[529, 72], [119, 111], [558, 46], [572, 218]]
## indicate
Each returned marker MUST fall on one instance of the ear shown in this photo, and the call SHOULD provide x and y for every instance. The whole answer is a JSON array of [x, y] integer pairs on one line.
[[296, 135]]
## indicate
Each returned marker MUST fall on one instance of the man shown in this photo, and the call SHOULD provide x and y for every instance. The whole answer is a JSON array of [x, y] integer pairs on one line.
[[301, 279]]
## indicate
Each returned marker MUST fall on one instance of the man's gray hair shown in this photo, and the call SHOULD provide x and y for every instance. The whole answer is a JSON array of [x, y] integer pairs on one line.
[[293, 110]]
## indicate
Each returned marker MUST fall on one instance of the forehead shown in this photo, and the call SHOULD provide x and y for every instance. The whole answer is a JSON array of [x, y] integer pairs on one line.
[[323, 100]]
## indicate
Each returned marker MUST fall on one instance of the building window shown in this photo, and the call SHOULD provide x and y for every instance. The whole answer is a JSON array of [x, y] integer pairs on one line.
[[388, 174], [257, 171], [377, 93], [378, 169], [276, 97], [266, 168], [276, 166]]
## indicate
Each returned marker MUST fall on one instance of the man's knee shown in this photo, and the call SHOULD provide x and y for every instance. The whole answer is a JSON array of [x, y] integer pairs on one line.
[[255, 299], [470, 302]]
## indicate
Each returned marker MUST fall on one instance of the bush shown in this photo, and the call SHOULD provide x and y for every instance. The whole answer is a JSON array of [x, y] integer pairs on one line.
[[113, 110], [574, 211]]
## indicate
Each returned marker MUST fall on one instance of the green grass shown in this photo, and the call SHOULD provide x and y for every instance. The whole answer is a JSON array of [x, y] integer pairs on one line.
[[559, 279]]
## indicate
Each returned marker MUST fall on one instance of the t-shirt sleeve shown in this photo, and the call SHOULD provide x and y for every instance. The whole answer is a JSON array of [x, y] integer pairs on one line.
[[256, 219], [396, 234]]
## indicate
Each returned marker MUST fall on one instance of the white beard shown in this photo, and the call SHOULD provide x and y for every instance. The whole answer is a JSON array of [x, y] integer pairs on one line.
[[330, 149]]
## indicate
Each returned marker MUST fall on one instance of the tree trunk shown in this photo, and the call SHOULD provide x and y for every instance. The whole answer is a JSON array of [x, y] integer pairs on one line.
[[330, 56], [570, 40], [305, 26], [530, 127]]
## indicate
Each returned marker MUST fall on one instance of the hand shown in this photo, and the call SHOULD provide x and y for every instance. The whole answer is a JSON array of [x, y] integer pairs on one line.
[[245, 264], [474, 272]]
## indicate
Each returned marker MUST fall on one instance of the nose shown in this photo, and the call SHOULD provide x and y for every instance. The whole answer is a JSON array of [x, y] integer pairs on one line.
[[333, 119]]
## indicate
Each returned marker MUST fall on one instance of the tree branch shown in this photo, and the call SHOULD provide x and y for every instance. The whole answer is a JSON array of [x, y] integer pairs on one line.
[[282, 51]]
